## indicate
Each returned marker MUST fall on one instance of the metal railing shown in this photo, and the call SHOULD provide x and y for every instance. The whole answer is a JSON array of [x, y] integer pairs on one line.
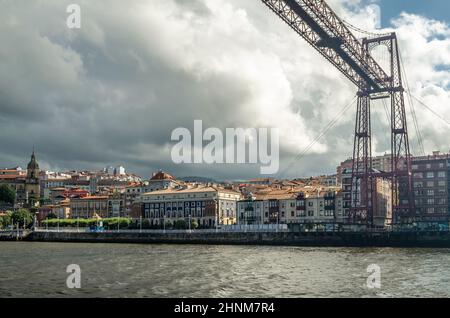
[[167, 231]]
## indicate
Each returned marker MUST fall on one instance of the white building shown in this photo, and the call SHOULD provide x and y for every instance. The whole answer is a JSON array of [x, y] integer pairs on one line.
[[209, 206], [292, 207]]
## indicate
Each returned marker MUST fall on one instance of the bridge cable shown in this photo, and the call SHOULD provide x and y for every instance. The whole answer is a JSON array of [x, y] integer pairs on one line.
[[327, 128], [430, 109], [356, 29], [412, 108]]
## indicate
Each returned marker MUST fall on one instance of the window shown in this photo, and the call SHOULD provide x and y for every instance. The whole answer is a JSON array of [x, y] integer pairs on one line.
[[415, 167], [310, 213], [292, 214], [430, 193], [418, 184], [310, 203], [430, 175], [418, 175], [441, 174]]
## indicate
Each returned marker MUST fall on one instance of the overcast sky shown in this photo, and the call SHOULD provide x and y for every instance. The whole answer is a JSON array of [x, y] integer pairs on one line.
[[113, 91]]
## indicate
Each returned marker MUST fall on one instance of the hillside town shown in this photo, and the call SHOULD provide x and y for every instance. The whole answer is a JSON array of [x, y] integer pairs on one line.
[[163, 201]]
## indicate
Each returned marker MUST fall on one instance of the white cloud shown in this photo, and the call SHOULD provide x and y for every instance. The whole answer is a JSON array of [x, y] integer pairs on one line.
[[113, 91]]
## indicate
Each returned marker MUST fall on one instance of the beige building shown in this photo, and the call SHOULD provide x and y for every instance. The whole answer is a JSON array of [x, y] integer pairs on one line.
[[310, 205], [89, 207], [382, 211], [209, 206]]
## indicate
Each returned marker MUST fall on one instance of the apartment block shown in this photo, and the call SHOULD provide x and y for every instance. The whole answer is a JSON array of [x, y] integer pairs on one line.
[[431, 183], [310, 206]]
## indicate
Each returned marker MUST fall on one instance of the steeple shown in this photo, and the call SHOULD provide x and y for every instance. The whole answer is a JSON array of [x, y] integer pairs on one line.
[[32, 187], [33, 167], [33, 163]]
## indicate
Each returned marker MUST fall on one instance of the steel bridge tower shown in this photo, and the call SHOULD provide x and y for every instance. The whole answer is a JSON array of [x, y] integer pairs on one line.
[[319, 25]]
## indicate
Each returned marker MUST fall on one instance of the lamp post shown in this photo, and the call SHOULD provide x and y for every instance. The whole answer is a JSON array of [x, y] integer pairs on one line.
[[140, 224], [189, 223], [78, 223], [164, 222], [35, 220], [118, 222]]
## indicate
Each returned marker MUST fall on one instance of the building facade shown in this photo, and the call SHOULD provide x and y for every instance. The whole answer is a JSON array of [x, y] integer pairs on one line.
[[321, 206], [209, 206], [382, 202], [431, 183], [89, 207]]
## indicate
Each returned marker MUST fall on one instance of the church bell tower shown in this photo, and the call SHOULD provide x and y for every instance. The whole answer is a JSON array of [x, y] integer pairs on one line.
[[32, 184]]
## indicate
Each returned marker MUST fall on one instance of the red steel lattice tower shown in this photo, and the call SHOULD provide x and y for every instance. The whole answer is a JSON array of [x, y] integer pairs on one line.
[[319, 25]]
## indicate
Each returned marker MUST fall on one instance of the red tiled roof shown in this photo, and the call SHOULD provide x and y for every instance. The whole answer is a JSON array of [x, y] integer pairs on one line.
[[162, 176]]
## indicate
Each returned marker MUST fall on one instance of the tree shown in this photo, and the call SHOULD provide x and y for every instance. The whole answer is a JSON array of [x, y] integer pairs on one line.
[[5, 220], [23, 217], [7, 194]]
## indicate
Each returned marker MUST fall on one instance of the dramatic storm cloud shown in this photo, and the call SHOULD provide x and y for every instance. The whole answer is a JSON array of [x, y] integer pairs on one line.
[[113, 91]]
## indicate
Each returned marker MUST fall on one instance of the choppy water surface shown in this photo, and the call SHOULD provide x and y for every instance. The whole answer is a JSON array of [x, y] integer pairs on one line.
[[115, 270]]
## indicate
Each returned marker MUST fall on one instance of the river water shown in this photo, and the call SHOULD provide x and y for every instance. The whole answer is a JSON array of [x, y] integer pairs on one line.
[[122, 270]]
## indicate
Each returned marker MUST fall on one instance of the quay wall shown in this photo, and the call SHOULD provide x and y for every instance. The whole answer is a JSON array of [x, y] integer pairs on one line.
[[337, 239]]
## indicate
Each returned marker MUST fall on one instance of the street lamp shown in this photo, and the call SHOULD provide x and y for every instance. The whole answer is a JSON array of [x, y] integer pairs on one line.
[[118, 222], [189, 222], [35, 220], [140, 224], [164, 221]]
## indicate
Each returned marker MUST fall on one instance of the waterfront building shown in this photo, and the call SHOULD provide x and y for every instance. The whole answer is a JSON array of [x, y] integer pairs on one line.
[[132, 196], [431, 187], [209, 206], [89, 207], [60, 211], [431, 182], [116, 206], [322, 205], [382, 203]]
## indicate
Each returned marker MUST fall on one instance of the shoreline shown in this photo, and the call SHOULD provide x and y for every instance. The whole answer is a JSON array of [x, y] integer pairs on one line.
[[309, 239]]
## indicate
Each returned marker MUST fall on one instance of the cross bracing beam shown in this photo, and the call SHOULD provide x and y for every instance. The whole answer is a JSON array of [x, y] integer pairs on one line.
[[319, 25]]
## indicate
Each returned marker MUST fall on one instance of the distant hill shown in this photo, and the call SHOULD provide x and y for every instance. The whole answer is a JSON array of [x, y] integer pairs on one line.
[[198, 179]]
